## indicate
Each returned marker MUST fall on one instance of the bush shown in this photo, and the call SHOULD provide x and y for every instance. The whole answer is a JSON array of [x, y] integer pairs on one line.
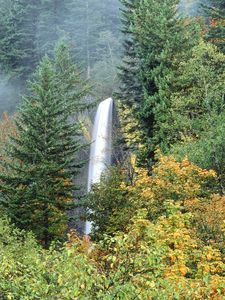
[[29, 272], [146, 261], [114, 201]]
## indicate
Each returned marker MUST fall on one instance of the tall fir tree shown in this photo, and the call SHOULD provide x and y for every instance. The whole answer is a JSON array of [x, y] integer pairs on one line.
[[52, 24], [162, 40], [38, 186], [130, 91], [18, 54], [18, 49], [130, 86]]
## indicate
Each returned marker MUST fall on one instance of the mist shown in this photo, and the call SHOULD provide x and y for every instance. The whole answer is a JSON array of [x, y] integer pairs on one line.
[[90, 27], [191, 7], [9, 94]]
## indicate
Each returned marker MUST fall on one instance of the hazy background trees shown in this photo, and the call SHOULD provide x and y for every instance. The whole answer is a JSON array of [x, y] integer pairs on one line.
[[30, 29]]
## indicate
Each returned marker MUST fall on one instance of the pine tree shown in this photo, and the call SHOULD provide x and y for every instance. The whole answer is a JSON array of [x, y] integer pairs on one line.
[[216, 34], [39, 184], [130, 91], [51, 25], [162, 39], [18, 54], [86, 24]]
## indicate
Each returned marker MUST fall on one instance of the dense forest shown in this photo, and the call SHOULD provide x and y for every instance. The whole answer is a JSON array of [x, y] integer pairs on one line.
[[158, 212]]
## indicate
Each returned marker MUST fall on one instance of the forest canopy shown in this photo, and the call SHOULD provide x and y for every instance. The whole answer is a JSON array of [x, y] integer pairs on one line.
[[157, 214]]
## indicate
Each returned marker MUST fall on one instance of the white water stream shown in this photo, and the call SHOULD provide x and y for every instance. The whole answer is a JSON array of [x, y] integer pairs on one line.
[[101, 147]]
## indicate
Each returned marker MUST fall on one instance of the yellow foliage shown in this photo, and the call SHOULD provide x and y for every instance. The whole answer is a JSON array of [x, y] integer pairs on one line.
[[129, 126], [209, 216], [165, 254], [186, 185], [7, 129], [170, 180], [162, 250]]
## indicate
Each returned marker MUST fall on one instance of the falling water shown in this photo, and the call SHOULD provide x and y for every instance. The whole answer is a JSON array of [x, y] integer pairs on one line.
[[100, 154]]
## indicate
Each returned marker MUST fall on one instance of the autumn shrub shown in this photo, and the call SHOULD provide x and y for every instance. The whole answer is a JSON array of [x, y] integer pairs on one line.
[[170, 180], [152, 261], [27, 271], [162, 261], [114, 201], [209, 219]]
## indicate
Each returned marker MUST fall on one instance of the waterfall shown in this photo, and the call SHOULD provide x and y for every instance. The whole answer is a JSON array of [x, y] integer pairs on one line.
[[101, 147]]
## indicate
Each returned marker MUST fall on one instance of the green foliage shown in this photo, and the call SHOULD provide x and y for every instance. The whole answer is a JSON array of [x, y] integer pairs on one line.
[[115, 200], [29, 272], [197, 113], [216, 31], [38, 186], [156, 42], [163, 40], [158, 231], [147, 261], [162, 261], [92, 28], [31, 29], [130, 129], [130, 90], [104, 77], [18, 53], [51, 24], [106, 202]]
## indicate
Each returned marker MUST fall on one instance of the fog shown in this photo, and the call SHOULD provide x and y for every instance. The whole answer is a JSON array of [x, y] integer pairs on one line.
[[9, 94], [191, 7], [90, 27]]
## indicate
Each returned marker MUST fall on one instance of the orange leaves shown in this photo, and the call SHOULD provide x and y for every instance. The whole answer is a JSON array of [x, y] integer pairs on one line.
[[208, 217], [181, 179], [83, 245], [211, 262], [216, 22], [170, 180], [159, 250], [6, 127]]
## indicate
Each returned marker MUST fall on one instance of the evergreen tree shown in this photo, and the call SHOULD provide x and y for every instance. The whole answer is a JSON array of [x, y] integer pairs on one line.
[[162, 39], [30, 29], [39, 184], [52, 24], [88, 23], [216, 34], [130, 91], [130, 87], [18, 54], [196, 126]]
